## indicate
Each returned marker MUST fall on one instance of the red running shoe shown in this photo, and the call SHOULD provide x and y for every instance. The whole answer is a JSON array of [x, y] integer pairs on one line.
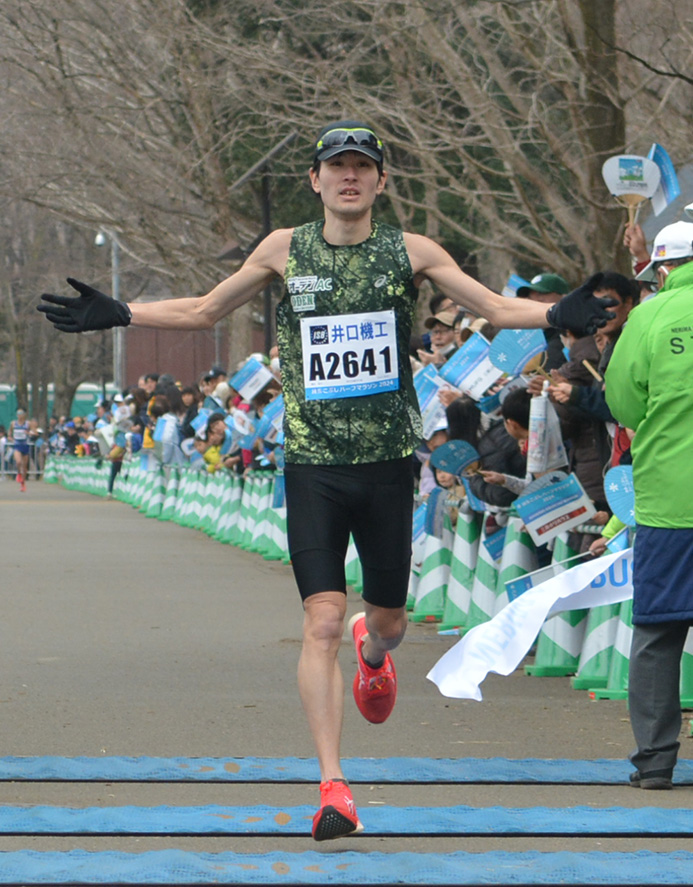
[[337, 815], [375, 689]]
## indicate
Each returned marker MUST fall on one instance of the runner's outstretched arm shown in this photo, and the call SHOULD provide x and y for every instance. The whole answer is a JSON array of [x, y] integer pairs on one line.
[[579, 311], [93, 310]]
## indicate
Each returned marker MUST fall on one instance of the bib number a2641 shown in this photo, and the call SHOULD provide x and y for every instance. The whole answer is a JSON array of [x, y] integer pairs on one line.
[[349, 355]]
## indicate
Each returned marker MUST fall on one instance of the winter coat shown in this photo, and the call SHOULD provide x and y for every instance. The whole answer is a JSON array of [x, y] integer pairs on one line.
[[648, 389]]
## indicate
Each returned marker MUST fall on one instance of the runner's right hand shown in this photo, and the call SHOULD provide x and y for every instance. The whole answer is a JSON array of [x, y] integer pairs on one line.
[[91, 310]]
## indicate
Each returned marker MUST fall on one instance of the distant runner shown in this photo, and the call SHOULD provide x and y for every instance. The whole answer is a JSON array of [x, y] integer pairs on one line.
[[19, 438]]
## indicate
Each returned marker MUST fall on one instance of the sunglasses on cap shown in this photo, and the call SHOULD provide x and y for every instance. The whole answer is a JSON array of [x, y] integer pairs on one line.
[[343, 138]]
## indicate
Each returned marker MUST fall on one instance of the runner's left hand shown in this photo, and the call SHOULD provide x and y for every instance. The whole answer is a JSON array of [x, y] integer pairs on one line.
[[581, 311]]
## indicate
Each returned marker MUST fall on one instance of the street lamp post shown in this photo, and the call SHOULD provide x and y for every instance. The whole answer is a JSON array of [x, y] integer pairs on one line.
[[104, 236]]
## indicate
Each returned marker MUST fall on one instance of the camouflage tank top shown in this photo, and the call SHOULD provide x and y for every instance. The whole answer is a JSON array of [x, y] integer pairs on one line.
[[343, 328]]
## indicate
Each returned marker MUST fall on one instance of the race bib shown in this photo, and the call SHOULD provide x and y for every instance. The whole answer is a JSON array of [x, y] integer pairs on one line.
[[349, 355]]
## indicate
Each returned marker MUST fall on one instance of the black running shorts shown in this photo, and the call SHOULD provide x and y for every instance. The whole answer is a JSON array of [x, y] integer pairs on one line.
[[374, 502]]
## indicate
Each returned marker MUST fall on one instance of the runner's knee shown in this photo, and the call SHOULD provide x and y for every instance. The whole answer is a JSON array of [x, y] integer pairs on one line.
[[323, 623]]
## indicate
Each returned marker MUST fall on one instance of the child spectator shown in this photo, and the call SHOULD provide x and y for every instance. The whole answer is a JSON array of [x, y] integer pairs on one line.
[[168, 436], [503, 452], [209, 441]]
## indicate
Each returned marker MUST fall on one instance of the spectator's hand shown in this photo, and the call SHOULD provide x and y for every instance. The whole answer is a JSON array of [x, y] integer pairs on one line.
[[536, 385], [427, 357], [598, 546], [493, 477], [447, 395], [635, 243], [92, 310], [561, 392], [581, 311], [499, 385]]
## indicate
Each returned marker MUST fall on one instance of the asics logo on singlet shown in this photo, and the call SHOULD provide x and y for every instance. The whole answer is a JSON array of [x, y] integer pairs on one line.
[[380, 281]]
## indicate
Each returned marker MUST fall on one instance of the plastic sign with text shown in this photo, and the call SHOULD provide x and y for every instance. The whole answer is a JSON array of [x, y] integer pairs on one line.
[[512, 286], [427, 384], [552, 504], [251, 379], [470, 368], [668, 189]]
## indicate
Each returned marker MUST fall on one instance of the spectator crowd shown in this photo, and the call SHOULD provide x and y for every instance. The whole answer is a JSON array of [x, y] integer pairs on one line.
[[571, 370], [210, 424]]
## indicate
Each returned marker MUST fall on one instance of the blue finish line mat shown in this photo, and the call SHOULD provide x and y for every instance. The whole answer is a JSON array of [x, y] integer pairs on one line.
[[296, 821], [78, 867], [357, 770]]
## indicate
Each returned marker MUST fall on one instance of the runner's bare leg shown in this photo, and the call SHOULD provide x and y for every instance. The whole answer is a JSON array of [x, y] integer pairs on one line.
[[320, 680], [386, 627]]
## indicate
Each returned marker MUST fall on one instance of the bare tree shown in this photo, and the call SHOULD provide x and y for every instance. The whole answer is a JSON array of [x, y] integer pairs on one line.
[[497, 115], [35, 251]]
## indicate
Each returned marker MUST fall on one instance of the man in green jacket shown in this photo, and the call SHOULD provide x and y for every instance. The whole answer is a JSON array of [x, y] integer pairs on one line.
[[649, 390]]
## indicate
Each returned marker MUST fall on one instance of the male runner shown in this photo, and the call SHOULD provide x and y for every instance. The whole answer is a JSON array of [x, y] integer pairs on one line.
[[352, 421]]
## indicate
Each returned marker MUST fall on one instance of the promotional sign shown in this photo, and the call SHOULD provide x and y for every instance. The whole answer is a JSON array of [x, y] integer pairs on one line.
[[511, 350], [500, 644], [552, 504], [279, 491], [271, 421], [105, 438], [436, 506], [200, 420], [474, 501], [668, 189], [251, 378], [349, 355], [242, 427], [427, 384], [631, 179], [470, 368], [490, 403], [419, 534], [621, 541], [495, 543], [618, 487], [512, 286], [275, 411], [159, 429]]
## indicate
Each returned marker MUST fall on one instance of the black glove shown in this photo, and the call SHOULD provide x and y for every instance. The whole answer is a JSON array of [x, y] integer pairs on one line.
[[91, 311], [581, 311]]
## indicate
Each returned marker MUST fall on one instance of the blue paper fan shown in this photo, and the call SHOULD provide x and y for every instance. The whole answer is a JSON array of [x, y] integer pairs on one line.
[[618, 487]]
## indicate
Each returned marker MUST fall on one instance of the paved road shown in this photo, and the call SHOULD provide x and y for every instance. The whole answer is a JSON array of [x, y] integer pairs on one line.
[[125, 636]]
